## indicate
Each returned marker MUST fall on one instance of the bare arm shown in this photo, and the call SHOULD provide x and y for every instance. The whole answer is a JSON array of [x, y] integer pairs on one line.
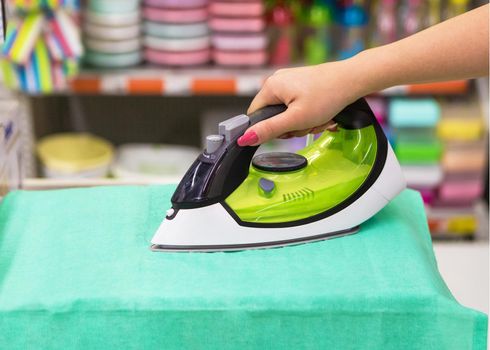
[[455, 49]]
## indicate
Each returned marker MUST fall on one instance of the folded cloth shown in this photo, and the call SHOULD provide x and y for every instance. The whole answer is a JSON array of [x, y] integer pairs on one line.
[[76, 272]]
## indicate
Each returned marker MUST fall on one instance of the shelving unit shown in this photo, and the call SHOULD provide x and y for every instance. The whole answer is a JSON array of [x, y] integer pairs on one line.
[[212, 81]]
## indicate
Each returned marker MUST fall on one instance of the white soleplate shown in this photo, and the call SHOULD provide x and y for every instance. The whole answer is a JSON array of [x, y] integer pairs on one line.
[[211, 228]]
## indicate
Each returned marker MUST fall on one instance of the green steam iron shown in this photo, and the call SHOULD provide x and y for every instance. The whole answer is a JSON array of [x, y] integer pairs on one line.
[[231, 200]]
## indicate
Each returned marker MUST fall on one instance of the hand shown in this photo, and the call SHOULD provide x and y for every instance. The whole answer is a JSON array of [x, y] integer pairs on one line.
[[313, 94]]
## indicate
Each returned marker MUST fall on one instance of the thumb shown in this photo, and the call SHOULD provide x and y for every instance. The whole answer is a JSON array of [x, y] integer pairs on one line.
[[269, 129]]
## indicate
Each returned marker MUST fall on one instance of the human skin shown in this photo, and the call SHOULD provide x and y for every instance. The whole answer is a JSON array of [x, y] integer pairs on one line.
[[454, 49]]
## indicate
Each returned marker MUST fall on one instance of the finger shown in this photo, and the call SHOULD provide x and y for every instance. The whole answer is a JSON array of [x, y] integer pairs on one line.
[[270, 128], [301, 133], [264, 97], [321, 128], [333, 127]]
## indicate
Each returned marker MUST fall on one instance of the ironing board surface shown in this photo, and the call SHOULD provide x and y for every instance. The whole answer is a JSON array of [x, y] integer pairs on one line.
[[76, 273]]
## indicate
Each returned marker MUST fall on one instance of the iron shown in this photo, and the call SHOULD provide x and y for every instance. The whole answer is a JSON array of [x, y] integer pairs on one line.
[[231, 200]]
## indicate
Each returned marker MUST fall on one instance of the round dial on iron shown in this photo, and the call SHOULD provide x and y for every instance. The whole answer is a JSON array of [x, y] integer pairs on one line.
[[279, 162]]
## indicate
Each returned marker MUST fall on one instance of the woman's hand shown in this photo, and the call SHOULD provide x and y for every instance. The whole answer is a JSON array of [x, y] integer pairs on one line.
[[313, 94]]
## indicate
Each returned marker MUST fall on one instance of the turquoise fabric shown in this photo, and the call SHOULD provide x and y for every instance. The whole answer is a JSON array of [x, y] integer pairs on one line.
[[76, 273]]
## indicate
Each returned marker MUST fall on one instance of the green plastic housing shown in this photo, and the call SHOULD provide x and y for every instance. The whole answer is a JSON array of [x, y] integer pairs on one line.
[[338, 164]]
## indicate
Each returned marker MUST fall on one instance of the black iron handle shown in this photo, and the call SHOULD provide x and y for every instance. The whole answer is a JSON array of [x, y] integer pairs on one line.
[[266, 113], [357, 115]]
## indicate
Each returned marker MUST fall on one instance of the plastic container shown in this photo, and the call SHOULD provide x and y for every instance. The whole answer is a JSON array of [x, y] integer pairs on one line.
[[165, 163], [111, 46], [283, 34], [177, 4], [114, 6], [418, 152], [415, 113], [317, 44], [177, 44], [112, 33], [109, 60], [113, 19], [75, 155], [183, 58], [460, 129], [170, 30], [423, 176], [193, 15], [464, 157], [240, 58], [234, 42], [237, 25], [354, 20], [236, 8]]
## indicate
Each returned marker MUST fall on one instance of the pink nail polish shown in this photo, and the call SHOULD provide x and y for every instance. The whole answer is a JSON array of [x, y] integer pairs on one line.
[[248, 139]]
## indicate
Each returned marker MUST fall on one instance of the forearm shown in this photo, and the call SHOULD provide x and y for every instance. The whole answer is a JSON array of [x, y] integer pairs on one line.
[[454, 49]]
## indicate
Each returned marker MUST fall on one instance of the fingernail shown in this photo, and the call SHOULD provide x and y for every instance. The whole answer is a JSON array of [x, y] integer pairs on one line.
[[248, 139]]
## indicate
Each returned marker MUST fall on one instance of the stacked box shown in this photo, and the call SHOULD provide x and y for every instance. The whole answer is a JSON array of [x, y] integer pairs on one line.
[[455, 212], [112, 33], [238, 32], [176, 32], [419, 151]]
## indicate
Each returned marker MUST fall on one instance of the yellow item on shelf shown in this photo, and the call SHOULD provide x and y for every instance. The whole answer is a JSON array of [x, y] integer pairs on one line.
[[462, 224], [460, 129], [75, 155]]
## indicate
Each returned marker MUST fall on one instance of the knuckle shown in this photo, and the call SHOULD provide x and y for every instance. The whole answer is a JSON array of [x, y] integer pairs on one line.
[[269, 81], [268, 130]]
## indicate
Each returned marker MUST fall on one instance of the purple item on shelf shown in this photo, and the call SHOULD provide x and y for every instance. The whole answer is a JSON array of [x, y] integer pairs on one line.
[[428, 195], [378, 105]]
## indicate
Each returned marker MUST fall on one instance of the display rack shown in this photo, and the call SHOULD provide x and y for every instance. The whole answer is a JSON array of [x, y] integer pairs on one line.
[[212, 81]]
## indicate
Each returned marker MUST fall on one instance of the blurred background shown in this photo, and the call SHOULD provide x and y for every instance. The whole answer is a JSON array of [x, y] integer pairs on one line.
[[123, 91]]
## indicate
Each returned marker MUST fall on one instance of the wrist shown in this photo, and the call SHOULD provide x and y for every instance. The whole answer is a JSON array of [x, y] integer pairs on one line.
[[365, 67]]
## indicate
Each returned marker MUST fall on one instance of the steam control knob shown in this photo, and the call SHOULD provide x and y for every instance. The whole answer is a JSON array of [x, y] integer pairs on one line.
[[213, 142]]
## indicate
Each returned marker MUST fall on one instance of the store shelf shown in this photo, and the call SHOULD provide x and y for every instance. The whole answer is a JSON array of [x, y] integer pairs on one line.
[[212, 81]]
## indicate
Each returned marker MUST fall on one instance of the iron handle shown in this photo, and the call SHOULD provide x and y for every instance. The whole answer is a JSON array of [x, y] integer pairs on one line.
[[357, 115]]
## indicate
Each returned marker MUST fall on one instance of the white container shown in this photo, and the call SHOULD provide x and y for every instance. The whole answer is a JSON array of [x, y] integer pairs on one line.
[[153, 162]]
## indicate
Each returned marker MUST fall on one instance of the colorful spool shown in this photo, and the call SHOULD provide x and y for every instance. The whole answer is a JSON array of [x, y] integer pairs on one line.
[[178, 4], [191, 58], [112, 33], [175, 15], [178, 44], [170, 30], [111, 46], [110, 60], [232, 42], [113, 19]]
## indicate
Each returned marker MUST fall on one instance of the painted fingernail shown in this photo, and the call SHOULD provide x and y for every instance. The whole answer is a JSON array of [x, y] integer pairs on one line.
[[248, 139]]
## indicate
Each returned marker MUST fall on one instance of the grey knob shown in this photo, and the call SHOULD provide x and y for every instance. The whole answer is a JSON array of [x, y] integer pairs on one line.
[[213, 142]]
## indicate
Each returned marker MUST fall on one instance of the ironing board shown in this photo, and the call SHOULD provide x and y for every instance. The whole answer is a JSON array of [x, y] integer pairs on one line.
[[76, 273]]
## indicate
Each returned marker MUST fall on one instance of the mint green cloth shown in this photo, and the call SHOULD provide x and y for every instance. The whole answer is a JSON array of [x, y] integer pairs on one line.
[[76, 273]]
